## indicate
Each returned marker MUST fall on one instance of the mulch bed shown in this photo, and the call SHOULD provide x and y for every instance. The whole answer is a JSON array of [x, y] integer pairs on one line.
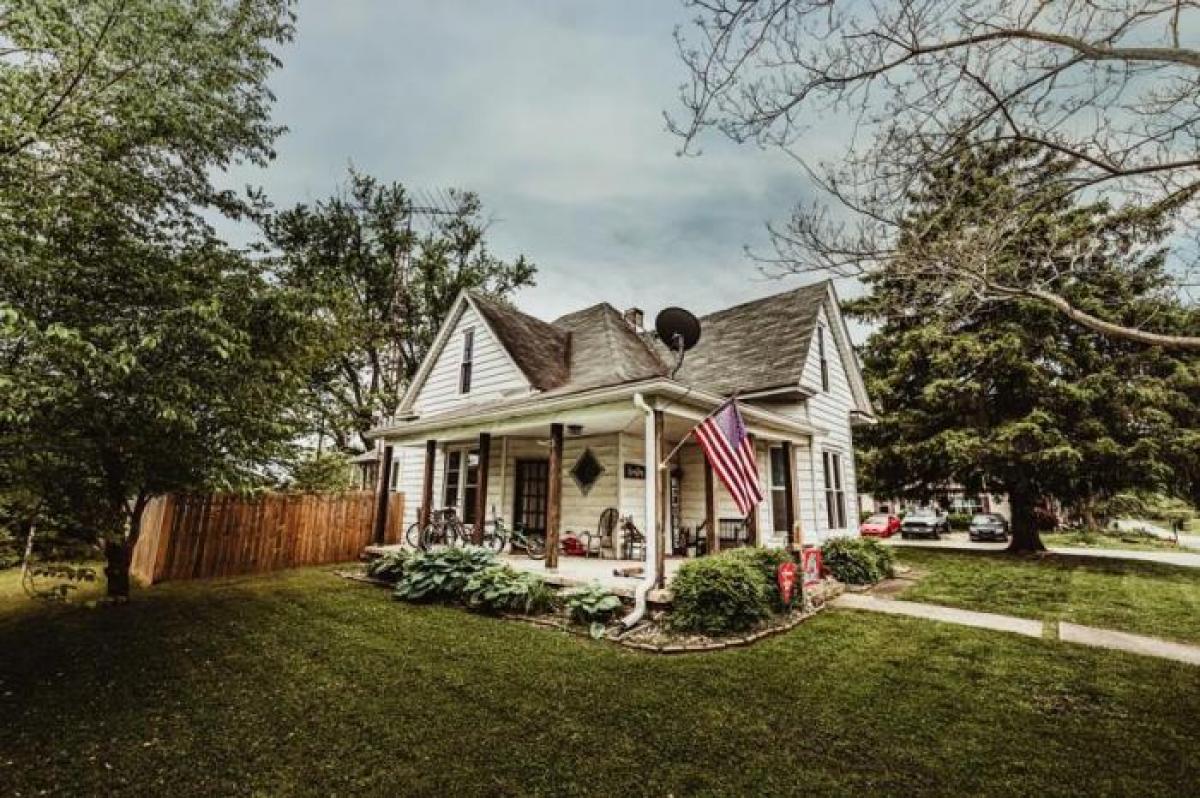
[[653, 635]]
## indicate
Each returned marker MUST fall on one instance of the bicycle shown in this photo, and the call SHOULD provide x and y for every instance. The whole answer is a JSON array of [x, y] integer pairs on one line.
[[533, 543], [444, 529]]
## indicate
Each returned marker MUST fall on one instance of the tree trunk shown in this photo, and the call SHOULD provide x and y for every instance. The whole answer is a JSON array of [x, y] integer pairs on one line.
[[118, 556], [1025, 535], [118, 552]]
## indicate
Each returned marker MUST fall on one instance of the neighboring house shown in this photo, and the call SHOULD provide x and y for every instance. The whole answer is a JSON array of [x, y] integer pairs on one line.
[[949, 498], [502, 394]]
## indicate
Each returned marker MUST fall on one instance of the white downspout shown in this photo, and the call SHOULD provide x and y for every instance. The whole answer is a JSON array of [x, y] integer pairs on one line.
[[650, 572]]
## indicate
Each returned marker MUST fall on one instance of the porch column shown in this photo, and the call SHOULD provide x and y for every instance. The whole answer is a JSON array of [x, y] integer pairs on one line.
[[662, 484], [382, 491], [752, 519], [710, 508], [427, 484], [790, 496], [554, 496], [481, 487]]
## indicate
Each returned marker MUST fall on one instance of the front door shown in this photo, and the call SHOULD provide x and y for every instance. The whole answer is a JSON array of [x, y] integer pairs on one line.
[[531, 492]]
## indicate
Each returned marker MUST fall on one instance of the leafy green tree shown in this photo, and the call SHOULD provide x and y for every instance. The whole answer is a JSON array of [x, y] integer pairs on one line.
[[1016, 397], [138, 354], [321, 472], [384, 290]]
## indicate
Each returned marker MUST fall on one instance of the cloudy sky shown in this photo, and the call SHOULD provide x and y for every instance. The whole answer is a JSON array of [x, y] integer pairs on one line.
[[552, 110]]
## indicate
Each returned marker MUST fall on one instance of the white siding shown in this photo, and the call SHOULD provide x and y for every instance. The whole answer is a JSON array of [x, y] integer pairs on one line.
[[831, 410], [493, 374]]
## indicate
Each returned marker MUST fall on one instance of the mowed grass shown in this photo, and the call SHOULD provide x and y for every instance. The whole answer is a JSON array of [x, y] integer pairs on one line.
[[1109, 540], [304, 684], [1141, 597]]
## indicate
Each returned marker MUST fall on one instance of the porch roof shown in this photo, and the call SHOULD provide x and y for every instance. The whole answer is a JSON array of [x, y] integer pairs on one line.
[[600, 410]]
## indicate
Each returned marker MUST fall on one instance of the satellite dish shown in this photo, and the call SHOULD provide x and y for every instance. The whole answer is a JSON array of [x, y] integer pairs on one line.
[[677, 328]]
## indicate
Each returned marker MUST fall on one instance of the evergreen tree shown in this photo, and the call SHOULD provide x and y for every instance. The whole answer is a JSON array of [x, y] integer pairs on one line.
[[1015, 398]]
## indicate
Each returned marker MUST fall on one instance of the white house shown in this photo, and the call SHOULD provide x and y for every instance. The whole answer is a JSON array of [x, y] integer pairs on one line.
[[546, 423]]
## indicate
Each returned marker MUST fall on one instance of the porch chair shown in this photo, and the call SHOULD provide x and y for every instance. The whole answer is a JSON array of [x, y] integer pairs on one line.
[[605, 536], [633, 545]]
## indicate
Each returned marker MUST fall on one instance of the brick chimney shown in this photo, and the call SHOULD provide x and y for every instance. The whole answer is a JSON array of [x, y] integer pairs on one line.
[[633, 317]]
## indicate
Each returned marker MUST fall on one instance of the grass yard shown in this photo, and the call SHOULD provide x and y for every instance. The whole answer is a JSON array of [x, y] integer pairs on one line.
[[303, 684], [1109, 540], [1147, 598]]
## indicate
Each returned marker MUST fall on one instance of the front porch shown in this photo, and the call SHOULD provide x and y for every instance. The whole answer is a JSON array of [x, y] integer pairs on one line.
[[583, 473]]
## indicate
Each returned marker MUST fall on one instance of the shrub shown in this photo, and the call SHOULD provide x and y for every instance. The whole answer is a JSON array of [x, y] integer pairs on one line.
[[389, 567], [442, 575], [766, 562], [718, 594], [501, 588], [959, 521], [857, 561]]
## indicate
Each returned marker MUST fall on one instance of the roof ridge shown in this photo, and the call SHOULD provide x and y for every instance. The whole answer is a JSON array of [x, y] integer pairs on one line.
[[797, 290]]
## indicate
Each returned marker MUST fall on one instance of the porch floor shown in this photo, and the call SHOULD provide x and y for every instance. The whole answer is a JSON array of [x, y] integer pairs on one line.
[[580, 571]]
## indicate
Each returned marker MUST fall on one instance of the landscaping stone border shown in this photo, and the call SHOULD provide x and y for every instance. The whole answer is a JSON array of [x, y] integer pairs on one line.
[[829, 590]]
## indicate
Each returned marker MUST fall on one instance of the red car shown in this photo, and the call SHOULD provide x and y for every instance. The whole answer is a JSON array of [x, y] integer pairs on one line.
[[880, 526]]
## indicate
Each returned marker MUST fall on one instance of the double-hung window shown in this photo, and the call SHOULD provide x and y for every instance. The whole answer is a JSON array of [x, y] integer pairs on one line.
[[468, 361], [835, 497], [779, 489]]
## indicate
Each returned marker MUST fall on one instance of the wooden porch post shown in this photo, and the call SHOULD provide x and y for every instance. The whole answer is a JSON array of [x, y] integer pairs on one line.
[[710, 509], [554, 496], [662, 484], [481, 487], [427, 484], [790, 494], [382, 493], [752, 519]]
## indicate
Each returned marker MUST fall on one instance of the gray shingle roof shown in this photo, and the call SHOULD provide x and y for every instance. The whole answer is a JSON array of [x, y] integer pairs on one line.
[[753, 346], [539, 349]]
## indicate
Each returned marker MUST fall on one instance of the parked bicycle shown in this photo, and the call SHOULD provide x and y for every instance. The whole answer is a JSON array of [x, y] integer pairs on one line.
[[444, 529], [516, 537]]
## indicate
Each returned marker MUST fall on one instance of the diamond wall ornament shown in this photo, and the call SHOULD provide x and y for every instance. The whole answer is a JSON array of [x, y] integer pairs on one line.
[[586, 471]]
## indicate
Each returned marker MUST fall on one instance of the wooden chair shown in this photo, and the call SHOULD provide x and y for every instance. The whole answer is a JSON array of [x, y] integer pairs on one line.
[[605, 536]]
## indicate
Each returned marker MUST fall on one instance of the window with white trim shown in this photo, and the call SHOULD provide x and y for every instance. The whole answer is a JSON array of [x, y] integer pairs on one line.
[[779, 489], [835, 497], [461, 483], [468, 360]]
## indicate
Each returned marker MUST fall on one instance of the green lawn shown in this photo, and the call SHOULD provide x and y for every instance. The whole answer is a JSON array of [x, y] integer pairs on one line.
[[1109, 540], [1146, 598], [303, 684]]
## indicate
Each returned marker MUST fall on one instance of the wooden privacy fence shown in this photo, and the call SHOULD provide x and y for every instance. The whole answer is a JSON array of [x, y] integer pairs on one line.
[[200, 536]]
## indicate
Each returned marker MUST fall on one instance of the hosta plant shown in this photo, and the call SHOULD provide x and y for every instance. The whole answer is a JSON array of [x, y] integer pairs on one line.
[[504, 589], [594, 605], [442, 575], [389, 567]]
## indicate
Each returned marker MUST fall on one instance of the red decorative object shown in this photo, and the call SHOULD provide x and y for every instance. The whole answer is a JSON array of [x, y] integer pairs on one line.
[[572, 546], [810, 564], [786, 576]]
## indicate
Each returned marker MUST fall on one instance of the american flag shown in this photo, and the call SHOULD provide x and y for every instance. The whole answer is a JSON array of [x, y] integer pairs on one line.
[[727, 446]]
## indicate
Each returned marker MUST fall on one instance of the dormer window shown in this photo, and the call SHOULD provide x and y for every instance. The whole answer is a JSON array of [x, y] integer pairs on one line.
[[821, 355], [468, 360]]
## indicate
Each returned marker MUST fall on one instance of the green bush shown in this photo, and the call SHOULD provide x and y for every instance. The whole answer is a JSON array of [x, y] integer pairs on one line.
[[591, 604], [959, 521], [766, 562], [502, 588], [722, 593], [857, 561], [442, 575], [389, 567]]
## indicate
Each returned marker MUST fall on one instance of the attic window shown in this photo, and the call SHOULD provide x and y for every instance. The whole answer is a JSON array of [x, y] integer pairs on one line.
[[586, 471], [468, 359], [821, 355]]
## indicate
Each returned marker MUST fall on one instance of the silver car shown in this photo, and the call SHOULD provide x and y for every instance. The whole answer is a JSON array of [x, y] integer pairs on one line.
[[988, 526], [925, 523]]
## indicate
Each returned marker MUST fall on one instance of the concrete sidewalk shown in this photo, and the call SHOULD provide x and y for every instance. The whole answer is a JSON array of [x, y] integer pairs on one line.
[[1067, 632]]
